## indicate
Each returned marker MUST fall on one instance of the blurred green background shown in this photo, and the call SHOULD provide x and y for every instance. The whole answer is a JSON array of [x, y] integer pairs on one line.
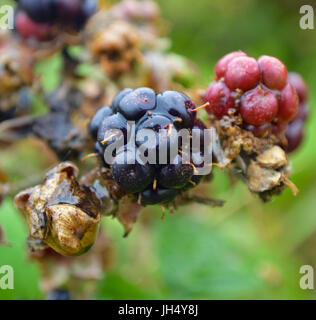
[[245, 249]]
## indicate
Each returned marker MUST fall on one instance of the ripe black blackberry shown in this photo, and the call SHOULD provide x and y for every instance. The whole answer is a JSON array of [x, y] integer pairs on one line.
[[42, 19], [40, 10], [153, 170]]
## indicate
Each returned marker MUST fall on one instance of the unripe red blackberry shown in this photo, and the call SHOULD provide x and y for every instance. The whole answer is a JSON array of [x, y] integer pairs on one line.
[[220, 98], [252, 104], [258, 106], [303, 111], [297, 81], [221, 65], [29, 28], [294, 134], [242, 73], [295, 129], [43, 19], [257, 91], [273, 72], [288, 106]]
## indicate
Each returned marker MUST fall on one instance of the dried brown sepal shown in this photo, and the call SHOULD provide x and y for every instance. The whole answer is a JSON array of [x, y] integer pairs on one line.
[[128, 213], [113, 200], [269, 174], [60, 212], [105, 189], [262, 179], [261, 162], [273, 157]]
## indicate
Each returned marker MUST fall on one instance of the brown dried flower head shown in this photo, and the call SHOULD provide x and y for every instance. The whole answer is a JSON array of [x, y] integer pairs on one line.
[[15, 70], [116, 47]]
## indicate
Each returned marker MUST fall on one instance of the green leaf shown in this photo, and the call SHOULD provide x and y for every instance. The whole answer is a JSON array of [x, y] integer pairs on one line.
[[199, 261], [26, 273], [115, 287]]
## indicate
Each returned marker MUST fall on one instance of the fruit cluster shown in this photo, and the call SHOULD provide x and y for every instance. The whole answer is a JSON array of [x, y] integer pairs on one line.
[[257, 90], [42, 19], [295, 129], [151, 182]]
